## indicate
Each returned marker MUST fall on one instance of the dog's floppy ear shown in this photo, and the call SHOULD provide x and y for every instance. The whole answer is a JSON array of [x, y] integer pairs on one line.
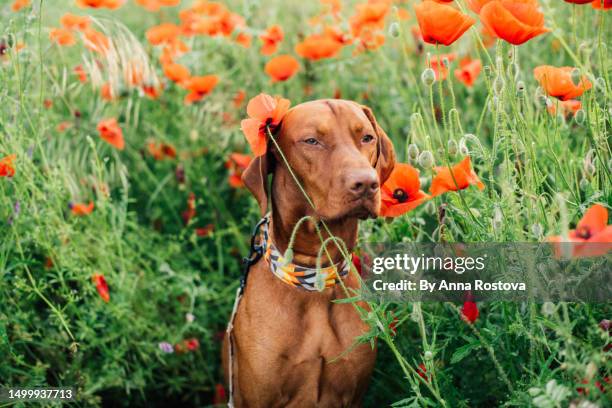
[[255, 178], [385, 153]]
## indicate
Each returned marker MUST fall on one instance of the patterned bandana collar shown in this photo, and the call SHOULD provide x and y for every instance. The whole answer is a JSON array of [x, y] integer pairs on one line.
[[296, 275]]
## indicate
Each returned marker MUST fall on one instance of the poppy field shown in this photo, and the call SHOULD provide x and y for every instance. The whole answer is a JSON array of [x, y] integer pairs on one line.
[[125, 126]]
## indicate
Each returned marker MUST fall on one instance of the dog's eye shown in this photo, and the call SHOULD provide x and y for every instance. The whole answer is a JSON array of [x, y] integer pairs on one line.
[[311, 141], [367, 139]]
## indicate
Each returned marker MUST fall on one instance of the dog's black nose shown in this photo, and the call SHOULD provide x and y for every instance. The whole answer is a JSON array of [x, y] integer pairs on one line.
[[363, 182]]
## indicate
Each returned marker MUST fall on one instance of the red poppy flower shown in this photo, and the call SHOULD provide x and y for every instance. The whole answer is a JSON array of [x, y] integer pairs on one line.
[[516, 21], [111, 133], [161, 151], [592, 236], [317, 46], [191, 344], [199, 87], [459, 177], [80, 209], [101, 286], [62, 36], [469, 311], [441, 23], [190, 212], [220, 395], [558, 82], [155, 5], [566, 107], [602, 4], [163, 33], [263, 110], [476, 5], [19, 4], [236, 164], [205, 231], [6, 166], [239, 98], [401, 192], [270, 39], [282, 68], [468, 71], [422, 371], [109, 4], [393, 325], [176, 72], [74, 22], [80, 72], [370, 15], [438, 64]]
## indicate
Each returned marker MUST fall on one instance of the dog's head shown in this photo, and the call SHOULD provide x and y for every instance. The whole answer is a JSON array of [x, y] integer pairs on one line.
[[338, 152]]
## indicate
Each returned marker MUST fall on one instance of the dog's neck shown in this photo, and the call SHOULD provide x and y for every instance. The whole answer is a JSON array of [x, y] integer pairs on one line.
[[288, 209]]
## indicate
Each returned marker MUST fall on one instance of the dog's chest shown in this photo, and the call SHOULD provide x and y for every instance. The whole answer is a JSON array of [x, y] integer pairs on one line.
[[308, 344]]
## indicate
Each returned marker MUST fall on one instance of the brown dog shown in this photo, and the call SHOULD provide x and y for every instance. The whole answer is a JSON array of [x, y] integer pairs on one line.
[[285, 337]]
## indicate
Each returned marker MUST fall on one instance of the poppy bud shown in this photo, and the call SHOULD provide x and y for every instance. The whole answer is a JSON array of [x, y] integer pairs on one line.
[[576, 77], [428, 77], [288, 256], [537, 230], [413, 151], [452, 147], [394, 30], [426, 159], [600, 85], [498, 219], [579, 116], [548, 308], [320, 280], [590, 371], [428, 356], [520, 87], [498, 85], [584, 184]]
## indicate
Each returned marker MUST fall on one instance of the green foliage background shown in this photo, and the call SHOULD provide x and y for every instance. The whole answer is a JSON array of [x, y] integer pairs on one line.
[[54, 328]]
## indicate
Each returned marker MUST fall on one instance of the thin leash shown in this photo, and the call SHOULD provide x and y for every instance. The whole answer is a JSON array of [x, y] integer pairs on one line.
[[256, 252]]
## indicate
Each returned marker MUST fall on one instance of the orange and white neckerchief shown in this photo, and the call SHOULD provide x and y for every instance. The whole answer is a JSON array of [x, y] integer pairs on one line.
[[304, 277]]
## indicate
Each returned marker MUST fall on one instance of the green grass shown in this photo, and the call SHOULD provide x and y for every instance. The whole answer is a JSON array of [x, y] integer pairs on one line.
[[55, 329]]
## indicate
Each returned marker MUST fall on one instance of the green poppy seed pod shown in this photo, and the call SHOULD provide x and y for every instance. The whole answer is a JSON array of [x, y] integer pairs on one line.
[[10, 40], [426, 159], [600, 85], [288, 256], [463, 149], [430, 207], [584, 184], [514, 71], [498, 219], [590, 371], [413, 151], [394, 30], [498, 85], [580, 116], [452, 147], [428, 77], [428, 356], [487, 71], [548, 308], [576, 76], [537, 230]]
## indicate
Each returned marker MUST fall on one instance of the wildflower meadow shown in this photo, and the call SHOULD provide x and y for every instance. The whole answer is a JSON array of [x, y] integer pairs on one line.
[[125, 127]]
